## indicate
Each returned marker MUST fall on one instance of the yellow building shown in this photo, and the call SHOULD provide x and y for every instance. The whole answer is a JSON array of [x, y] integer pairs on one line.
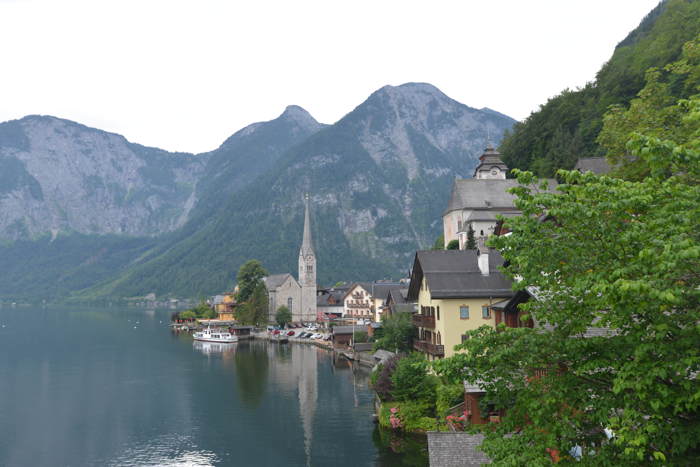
[[224, 305], [454, 290]]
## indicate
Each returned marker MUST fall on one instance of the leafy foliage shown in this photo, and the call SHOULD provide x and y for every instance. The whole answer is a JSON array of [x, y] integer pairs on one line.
[[254, 311], [415, 416], [439, 243], [655, 112], [448, 396], [283, 316], [397, 333], [617, 254], [382, 383], [411, 381], [201, 311], [249, 277], [453, 245], [471, 241]]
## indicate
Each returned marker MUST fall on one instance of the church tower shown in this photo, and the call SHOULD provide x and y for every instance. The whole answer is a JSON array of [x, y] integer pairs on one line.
[[307, 269], [491, 166]]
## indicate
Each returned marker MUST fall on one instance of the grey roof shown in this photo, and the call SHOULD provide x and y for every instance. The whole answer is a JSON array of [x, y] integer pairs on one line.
[[405, 308], [346, 329], [379, 290], [597, 165], [275, 280], [500, 305], [398, 294], [456, 274], [472, 193], [337, 294], [383, 355], [455, 449]]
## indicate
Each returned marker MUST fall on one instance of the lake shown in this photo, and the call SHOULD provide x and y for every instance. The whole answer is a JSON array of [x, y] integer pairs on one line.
[[114, 387]]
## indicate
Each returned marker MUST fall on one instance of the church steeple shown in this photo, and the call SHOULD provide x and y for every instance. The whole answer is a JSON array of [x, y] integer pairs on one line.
[[307, 269], [491, 165], [307, 245]]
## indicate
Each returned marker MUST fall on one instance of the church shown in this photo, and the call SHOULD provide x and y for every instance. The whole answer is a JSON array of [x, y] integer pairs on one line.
[[476, 202], [299, 296]]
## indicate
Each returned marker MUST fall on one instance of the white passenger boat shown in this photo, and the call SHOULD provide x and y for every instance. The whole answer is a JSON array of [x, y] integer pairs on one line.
[[214, 335]]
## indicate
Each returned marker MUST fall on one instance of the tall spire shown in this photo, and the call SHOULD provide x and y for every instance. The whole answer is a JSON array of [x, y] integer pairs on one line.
[[307, 246]]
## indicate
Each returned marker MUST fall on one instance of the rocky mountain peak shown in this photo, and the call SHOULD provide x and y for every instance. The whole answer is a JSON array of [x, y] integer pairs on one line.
[[300, 116]]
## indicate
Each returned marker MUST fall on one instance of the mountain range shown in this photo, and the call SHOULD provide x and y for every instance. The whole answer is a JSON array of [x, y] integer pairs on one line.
[[87, 214]]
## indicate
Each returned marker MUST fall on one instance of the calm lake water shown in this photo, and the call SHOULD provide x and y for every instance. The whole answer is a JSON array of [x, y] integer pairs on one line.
[[111, 387]]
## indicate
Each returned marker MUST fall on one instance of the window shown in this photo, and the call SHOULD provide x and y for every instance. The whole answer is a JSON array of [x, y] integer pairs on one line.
[[485, 312], [438, 312], [464, 337], [289, 304], [309, 268], [463, 312]]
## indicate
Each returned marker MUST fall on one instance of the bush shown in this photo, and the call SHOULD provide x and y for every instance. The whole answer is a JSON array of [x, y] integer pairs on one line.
[[188, 314], [412, 382], [360, 337], [382, 384], [453, 245], [415, 416], [448, 395]]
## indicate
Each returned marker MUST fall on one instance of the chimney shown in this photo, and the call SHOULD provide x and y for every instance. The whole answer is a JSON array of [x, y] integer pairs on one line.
[[483, 258], [484, 263]]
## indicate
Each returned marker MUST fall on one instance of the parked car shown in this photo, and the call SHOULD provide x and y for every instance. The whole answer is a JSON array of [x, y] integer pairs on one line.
[[317, 336], [290, 333]]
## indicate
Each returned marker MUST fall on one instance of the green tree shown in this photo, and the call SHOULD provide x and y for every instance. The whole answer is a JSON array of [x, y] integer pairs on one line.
[[617, 254], [249, 276], [255, 310], [439, 243], [453, 245], [283, 316], [471, 241], [398, 332], [411, 381]]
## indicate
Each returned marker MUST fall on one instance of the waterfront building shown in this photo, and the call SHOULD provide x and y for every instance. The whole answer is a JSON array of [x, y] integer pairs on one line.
[[329, 303], [365, 300], [283, 290], [298, 296], [454, 290]]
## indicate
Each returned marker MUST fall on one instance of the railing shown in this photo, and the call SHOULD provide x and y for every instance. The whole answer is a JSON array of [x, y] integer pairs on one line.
[[423, 321], [429, 348]]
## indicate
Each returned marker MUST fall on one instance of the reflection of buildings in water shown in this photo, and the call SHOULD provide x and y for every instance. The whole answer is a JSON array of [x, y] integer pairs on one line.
[[296, 370], [308, 392], [215, 348]]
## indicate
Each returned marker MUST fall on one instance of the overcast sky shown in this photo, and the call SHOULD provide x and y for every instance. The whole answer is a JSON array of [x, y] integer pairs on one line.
[[184, 75]]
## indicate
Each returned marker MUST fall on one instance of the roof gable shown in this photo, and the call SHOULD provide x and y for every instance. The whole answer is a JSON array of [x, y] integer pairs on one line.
[[456, 274]]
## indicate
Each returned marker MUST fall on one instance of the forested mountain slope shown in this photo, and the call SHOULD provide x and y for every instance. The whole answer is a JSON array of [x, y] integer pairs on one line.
[[567, 126]]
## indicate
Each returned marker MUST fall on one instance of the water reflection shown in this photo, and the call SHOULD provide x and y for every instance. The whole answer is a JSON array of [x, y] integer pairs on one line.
[[115, 387], [397, 449], [214, 348], [252, 367]]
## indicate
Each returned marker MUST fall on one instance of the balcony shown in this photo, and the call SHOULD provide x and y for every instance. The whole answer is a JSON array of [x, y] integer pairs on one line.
[[423, 321], [436, 350]]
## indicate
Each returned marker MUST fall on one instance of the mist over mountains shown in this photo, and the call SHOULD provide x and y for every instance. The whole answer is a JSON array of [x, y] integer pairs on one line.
[[116, 219]]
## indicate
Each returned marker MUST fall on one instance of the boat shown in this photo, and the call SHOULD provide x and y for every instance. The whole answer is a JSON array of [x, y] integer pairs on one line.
[[214, 335]]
